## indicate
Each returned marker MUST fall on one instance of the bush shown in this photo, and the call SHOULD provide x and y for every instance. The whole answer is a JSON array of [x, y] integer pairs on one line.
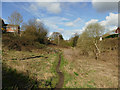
[[108, 44], [39, 46], [35, 32], [15, 42], [33, 36], [64, 43]]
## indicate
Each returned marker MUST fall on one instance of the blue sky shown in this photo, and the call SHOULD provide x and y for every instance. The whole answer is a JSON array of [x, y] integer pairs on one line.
[[65, 17]]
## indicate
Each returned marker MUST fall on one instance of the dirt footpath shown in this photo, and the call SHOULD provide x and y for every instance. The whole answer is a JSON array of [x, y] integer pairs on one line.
[[61, 76]]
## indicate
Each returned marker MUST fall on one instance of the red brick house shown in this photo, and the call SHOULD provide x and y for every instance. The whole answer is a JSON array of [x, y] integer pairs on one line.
[[9, 28]]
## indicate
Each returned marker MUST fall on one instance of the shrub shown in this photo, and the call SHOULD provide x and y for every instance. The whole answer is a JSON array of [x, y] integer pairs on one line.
[[16, 42], [35, 31], [38, 45], [33, 36]]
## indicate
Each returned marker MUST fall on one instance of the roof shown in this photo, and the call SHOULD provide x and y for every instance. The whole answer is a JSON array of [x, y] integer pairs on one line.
[[112, 36], [11, 25]]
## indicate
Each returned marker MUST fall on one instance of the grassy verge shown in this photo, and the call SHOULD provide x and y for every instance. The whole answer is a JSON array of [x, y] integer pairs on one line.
[[72, 76], [29, 73], [83, 72], [53, 70], [67, 76]]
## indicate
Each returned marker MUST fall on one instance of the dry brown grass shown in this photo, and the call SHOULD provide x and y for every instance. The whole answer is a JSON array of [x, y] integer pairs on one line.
[[101, 73], [34, 67], [42, 68]]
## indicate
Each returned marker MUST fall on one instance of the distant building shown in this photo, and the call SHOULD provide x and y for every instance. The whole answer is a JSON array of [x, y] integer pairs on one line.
[[115, 33], [117, 30], [8, 28]]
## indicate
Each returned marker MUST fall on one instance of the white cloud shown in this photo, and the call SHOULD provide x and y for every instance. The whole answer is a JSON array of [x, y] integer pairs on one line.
[[61, 29], [73, 23], [69, 33], [69, 14], [77, 20], [111, 20], [29, 1], [110, 23], [53, 22], [105, 6], [59, 0], [91, 21], [64, 19], [54, 8], [33, 7], [50, 7], [105, 1]]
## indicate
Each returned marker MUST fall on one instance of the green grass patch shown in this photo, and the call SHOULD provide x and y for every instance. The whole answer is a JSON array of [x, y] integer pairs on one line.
[[76, 73], [67, 76], [63, 62], [53, 70]]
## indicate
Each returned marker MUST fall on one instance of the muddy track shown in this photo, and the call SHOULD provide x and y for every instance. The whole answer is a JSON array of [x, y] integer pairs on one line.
[[31, 57], [61, 75]]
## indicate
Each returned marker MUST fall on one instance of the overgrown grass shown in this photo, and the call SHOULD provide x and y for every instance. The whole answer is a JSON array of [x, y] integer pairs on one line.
[[67, 76], [71, 79], [83, 72], [40, 70], [53, 70], [14, 80]]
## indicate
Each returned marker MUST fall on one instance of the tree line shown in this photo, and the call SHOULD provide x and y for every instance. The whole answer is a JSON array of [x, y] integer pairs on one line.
[[35, 34]]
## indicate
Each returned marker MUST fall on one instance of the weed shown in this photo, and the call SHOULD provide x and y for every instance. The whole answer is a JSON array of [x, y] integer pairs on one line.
[[76, 73]]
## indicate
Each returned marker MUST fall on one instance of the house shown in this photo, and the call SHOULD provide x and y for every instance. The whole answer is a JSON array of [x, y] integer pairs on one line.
[[9, 28], [114, 33], [117, 30]]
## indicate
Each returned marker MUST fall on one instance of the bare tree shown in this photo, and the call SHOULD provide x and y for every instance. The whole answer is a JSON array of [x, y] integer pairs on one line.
[[15, 18], [88, 40]]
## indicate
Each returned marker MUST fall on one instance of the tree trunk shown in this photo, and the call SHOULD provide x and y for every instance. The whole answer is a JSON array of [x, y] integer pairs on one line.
[[97, 53]]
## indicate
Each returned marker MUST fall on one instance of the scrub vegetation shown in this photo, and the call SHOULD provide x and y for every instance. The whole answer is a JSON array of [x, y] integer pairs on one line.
[[33, 60]]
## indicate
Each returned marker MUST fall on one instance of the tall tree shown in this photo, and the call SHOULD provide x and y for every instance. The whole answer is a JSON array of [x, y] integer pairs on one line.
[[74, 39], [15, 18], [35, 31], [56, 37], [89, 38]]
